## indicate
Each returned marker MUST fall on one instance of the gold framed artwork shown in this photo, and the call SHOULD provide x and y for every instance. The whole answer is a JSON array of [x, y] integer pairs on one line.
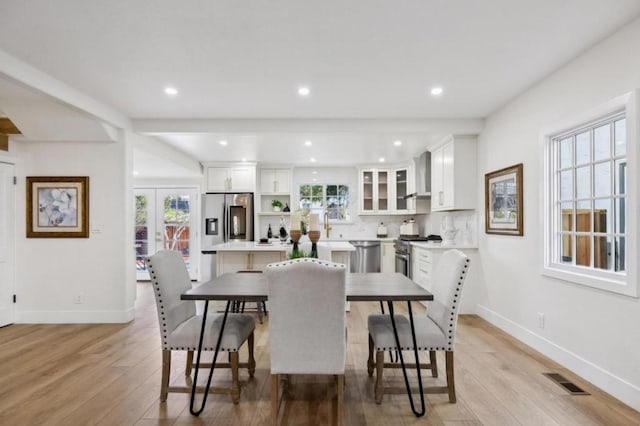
[[57, 207], [503, 201]]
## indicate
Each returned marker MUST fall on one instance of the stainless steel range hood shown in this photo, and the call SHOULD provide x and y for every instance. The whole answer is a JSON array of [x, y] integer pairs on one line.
[[423, 177]]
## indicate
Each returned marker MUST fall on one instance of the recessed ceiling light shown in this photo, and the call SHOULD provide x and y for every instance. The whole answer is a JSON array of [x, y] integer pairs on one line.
[[397, 143], [315, 180], [436, 91], [244, 159], [381, 159], [313, 160], [307, 143], [170, 91], [223, 143], [136, 173], [315, 172], [304, 91]]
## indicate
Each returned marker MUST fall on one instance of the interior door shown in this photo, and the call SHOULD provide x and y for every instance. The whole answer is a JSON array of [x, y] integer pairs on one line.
[[7, 243], [164, 219]]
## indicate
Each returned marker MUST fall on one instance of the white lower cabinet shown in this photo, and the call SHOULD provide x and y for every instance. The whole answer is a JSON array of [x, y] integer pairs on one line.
[[422, 266], [236, 261], [387, 257], [231, 261]]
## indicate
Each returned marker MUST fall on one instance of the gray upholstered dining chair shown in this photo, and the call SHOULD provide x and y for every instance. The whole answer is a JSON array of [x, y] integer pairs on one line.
[[436, 331], [307, 322], [180, 325]]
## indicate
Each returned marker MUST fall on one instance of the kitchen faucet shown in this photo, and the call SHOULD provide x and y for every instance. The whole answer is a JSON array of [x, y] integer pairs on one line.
[[327, 227]]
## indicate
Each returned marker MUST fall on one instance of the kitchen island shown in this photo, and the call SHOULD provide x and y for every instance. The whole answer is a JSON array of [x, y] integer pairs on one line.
[[252, 256]]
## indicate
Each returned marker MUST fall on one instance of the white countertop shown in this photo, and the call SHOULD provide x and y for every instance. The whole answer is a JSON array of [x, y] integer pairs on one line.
[[432, 245], [276, 246]]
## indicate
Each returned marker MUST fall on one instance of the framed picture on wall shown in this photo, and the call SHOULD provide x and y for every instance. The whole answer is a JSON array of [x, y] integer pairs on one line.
[[57, 207], [503, 201]]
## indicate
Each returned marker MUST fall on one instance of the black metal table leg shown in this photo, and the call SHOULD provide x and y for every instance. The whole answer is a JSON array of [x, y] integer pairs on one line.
[[213, 363], [404, 369]]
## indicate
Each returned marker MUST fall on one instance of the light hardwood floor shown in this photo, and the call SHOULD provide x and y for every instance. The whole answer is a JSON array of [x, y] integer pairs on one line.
[[110, 375]]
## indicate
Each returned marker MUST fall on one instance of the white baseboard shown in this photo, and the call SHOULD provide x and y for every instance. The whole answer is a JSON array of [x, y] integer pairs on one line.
[[74, 317], [605, 380]]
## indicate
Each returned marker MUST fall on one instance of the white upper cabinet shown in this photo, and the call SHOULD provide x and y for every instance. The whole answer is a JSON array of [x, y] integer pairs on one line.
[[403, 185], [374, 191], [453, 174], [231, 178], [383, 191], [275, 181]]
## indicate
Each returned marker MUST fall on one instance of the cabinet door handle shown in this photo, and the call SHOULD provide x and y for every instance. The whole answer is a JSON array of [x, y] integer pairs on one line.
[[441, 197], [275, 186]]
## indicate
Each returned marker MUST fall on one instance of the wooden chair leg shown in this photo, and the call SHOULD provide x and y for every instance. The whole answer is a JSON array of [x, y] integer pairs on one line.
[[187, 371], [340, 398], [274, 399], [370, 363], [234, 359], [379, 390], [252, 360], [166, 370], [450, 379], [434, 363]]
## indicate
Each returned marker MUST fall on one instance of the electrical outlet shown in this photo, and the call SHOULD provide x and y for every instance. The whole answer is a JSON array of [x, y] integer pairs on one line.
[[78, 299], [540, 320]]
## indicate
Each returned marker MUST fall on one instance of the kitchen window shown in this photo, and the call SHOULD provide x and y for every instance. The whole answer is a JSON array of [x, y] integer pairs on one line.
[[315, 199], [588, 203]]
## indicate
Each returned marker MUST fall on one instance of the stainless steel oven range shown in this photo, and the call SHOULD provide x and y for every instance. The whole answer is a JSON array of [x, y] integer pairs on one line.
[[403, 253]]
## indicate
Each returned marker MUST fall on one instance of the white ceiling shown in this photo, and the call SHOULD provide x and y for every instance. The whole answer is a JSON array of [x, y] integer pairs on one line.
[[361, 58]]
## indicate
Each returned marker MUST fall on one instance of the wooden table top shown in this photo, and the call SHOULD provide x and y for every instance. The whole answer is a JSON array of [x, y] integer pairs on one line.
[[360, 287]]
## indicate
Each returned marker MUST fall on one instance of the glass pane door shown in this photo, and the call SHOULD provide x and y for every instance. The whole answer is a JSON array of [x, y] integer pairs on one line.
[[144, 222], [163, 222]]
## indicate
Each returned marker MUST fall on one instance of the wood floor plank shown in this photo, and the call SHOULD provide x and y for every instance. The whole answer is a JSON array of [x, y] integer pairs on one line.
[[91, 374]]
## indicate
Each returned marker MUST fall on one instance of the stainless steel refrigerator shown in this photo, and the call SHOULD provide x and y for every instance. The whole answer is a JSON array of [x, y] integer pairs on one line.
[[227, 217]]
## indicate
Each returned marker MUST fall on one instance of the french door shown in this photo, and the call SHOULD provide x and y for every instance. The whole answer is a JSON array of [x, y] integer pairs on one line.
[[166, 219], [7, 243]]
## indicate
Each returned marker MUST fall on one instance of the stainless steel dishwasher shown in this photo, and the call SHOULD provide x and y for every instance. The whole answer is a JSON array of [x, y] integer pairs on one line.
[[366, 258]]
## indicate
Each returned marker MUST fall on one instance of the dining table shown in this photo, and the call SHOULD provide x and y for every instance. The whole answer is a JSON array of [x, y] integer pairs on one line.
[[360, 287]]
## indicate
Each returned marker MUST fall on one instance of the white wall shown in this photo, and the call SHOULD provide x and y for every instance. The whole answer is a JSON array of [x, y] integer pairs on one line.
[[594, 333], [51, 272]]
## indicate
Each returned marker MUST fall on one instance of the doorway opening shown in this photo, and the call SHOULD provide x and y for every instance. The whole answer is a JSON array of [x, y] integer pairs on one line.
[[166, 219]]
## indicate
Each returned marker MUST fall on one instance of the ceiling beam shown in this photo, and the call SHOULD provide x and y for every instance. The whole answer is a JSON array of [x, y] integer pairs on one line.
[[19, 71], [463, 126]]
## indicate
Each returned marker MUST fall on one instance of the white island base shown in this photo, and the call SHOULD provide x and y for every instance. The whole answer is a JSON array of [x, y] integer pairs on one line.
[[248, 256]]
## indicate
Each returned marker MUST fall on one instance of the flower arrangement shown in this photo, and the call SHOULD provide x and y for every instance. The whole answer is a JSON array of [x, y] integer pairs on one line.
[[297, 254]]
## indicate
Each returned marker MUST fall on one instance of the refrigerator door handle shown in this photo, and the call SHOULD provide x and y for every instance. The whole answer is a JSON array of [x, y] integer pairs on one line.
[[224, 222]]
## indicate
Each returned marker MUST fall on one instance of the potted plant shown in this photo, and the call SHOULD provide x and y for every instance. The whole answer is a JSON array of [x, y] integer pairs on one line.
[[277, 205]]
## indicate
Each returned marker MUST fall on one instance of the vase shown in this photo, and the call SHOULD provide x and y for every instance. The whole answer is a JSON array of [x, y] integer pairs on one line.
[[449, 230]]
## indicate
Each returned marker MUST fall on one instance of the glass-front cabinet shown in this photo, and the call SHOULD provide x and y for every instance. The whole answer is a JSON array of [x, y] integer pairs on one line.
[[384, 191], [374, 191], [401, 189]]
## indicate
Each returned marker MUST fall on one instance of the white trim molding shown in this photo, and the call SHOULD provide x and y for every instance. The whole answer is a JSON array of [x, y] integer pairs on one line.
[[74, 317], [603, 379]]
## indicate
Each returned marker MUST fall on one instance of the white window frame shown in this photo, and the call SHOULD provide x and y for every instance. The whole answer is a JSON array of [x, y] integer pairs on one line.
[[324, 200], [626, 284]]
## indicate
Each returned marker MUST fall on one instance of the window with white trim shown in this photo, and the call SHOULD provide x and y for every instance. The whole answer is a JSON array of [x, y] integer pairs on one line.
[[332, 198], [588, 199]]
